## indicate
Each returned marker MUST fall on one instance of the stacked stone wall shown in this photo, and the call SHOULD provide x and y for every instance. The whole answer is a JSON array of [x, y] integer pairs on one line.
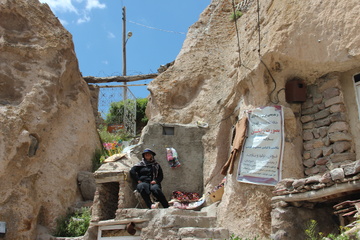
[[326, 138]]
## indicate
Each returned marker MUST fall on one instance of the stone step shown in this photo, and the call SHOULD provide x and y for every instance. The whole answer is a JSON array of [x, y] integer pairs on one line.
[[138, 212], [183, 212], [175, 221], [188, 233]]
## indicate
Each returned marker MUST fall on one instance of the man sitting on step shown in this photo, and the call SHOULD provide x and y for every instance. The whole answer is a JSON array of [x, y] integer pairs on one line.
[[148, 175]]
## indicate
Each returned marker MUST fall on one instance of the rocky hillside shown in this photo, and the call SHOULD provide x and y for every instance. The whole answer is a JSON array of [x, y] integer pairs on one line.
[[47, 131], [227, 67]]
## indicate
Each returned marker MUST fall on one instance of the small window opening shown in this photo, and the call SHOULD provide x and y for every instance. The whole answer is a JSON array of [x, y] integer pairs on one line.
[[168, 130], [357, 90]]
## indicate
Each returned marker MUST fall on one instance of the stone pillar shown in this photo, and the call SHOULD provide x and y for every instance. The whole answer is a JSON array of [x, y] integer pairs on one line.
[[326, 138]]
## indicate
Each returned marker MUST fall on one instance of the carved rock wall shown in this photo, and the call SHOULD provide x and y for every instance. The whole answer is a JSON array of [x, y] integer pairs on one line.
[[47, 131], [225, 68]]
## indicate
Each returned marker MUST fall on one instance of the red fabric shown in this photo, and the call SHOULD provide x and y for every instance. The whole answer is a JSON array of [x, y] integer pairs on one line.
[[185, 196]]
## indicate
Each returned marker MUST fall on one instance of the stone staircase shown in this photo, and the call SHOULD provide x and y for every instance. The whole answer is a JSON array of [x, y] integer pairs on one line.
[[174, 224]]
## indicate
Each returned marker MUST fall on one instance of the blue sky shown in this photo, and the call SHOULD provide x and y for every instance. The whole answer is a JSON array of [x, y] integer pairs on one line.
[[159, 29]]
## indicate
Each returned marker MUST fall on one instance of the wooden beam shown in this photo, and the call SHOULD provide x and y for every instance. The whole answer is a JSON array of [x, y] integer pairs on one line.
[[91, 79], [115, 86]]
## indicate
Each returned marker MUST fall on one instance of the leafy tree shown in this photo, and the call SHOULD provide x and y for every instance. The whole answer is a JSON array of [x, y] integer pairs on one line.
[[117, 109]]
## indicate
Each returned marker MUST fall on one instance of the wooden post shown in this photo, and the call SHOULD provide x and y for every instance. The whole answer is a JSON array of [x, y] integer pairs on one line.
[[124, 51]]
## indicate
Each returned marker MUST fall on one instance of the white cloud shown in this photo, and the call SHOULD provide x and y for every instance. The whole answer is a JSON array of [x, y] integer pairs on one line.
[[111, 35], [83, 19], [106, 62], [60, 5], [81, 8], [90, 4], [63, 22]]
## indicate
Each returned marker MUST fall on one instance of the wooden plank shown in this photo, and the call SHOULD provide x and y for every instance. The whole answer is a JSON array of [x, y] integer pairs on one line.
[[349, 213], [91, 79], [122, 221], [345, 210], [128, 85], [345, 203]]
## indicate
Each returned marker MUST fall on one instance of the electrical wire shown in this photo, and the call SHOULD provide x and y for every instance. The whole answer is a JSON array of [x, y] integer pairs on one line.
[[259, 46], [237, 31], [142, 25]]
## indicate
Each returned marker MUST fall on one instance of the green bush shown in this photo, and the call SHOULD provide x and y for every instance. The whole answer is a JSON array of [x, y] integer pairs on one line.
[[235, 16], [119, 135], [98, 159], [116, 113], [312, 233], [73, 225]]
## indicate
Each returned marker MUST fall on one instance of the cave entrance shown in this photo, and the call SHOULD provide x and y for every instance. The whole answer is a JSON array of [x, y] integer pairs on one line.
[[108, 196]]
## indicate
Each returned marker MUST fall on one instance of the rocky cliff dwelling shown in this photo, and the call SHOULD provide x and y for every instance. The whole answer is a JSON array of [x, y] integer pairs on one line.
[[225, 68]]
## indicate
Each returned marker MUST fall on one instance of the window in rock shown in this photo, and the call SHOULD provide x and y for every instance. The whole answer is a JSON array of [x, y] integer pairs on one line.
[[109, 195], [357, 90], [168, 130]]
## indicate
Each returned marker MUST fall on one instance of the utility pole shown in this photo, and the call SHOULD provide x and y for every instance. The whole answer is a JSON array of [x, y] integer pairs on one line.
[[124, 51]]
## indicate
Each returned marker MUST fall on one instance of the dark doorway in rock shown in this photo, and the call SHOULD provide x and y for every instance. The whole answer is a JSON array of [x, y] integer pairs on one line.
[[109, 195]]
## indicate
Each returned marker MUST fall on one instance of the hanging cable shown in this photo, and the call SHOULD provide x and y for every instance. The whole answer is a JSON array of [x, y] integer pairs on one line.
[[258, 25], [142, 25], [259, 46], [237, 32]]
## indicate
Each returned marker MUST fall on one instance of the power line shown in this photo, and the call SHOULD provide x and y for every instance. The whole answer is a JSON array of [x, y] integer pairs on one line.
[[155, 28]]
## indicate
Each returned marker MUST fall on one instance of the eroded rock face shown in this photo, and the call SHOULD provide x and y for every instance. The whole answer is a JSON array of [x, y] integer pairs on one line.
[[223, 69], [47, 131]]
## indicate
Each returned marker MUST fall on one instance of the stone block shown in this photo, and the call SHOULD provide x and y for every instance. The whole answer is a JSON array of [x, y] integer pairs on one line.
[[334, 100], [337, 174], [338, 127], [313, 179], [326, 141], [318, 143], [322, 114], [325, 178], [323, 131], [308, 135], [308, 145], [87, 184], [329, 82], [306, 155], [299, 183], [307, 118], [322, 161], [316, 133], [286, 183], [322, 122], [340, 136], [327, 151], [316, 153], [332, 165], [317, 99], [312, 171], [331, 92], [337, 108], [309, 162], [351, 168], [341, 157], [340, 147], [307, 104], [309, 111], [309, 125], [338, 117], [322, 168], [321, 106]]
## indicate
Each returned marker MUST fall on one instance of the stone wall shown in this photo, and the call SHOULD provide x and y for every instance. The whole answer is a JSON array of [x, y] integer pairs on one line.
[[328, 142]]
